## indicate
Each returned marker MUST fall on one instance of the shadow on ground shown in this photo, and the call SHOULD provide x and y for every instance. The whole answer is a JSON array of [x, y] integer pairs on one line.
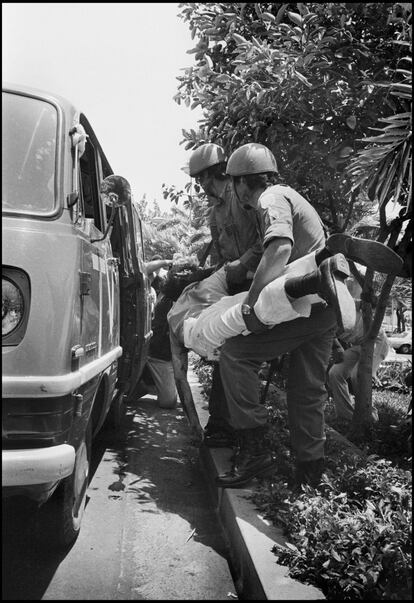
[[157, 463], [154, 464]]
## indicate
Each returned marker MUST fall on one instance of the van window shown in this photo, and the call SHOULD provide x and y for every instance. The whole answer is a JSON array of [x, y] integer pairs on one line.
[[28, 154], [138, 236], [90, 198]]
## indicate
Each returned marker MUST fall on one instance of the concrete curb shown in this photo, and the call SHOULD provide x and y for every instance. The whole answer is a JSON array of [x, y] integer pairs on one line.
[[250, 536]]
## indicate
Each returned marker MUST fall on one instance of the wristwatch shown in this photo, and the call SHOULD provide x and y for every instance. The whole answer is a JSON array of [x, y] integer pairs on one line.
[[246, 310]]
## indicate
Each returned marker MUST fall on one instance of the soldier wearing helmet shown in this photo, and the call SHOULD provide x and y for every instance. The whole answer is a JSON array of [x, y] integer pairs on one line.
[[289, 228], [236, 248], [233, 229]]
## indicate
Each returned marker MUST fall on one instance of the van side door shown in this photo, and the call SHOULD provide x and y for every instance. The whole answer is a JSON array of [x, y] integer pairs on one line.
[[99, 271]]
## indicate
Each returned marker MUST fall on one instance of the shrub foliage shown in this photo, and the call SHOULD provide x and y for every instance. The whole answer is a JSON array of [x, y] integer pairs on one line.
[[352, 536]]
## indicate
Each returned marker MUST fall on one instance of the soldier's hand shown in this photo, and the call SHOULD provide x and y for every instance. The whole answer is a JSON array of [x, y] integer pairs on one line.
[[235, 272], [253, 324]]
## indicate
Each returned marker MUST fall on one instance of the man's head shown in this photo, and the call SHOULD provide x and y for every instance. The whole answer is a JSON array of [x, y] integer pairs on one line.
[[182, 274], [115, 190], [252, 168], [208, 166]]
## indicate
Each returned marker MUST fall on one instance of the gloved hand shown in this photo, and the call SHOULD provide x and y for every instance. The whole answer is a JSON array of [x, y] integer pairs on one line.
[[235, 272]]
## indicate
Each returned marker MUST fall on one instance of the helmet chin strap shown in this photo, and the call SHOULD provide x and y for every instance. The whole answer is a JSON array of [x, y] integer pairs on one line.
[[236, 193], [245, 204]]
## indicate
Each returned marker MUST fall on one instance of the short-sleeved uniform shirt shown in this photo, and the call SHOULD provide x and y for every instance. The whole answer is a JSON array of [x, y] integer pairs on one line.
[[283, 212], [234, 231]]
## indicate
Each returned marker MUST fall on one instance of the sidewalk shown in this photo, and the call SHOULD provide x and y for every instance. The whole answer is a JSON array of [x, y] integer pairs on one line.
[[250, 536]]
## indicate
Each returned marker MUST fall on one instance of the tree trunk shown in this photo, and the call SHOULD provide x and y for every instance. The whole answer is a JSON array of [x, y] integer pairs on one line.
[[362, 417]]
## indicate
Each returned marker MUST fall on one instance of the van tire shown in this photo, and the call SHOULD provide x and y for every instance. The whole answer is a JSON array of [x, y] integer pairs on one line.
[[60, 522], [117, 414]]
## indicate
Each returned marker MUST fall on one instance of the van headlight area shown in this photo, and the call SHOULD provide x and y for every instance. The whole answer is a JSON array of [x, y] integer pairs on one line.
[[12, 309]]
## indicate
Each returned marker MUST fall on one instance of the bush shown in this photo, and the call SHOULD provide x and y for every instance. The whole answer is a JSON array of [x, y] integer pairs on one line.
[[392, 375], [352, 536], [389, 437], [204, 371]]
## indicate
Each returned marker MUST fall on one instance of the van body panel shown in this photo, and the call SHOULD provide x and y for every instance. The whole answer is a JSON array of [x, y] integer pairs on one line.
[[47, 252], [29, 467], [86, 296], [49, 386]]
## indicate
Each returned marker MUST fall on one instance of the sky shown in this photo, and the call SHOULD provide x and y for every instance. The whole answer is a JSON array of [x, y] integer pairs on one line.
[[118, 63]]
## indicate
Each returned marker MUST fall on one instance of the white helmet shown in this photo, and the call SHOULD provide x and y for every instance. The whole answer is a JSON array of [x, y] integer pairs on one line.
[[205, 156], [251, 158]]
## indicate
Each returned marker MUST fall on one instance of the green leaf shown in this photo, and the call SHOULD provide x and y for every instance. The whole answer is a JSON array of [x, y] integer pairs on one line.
[[346, 152], [309, 17], [239, 39], [335, 555], [386, 190], [351, 122], [303, 79], [268, 17], [223, 78], [395, 117], [295, 18]]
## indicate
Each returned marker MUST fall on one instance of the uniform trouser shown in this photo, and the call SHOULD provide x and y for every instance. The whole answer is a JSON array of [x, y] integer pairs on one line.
[[309, 341], [163, 375], [219, 419]]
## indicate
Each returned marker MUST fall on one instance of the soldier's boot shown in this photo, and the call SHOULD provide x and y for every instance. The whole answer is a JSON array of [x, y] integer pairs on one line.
[[372, 254], [328, 281], [252, 459]]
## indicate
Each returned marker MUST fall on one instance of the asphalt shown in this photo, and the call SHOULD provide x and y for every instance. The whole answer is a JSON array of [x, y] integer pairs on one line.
[[250, 536]]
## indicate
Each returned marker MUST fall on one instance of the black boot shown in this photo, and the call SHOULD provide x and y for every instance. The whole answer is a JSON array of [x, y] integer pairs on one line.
[[219, 434], [308, 472], [252, 459], [329, 283], [219, 438]]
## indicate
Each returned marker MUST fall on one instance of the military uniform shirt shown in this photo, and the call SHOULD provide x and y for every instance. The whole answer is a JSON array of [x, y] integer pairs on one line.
[[234, 231], [283, 212]]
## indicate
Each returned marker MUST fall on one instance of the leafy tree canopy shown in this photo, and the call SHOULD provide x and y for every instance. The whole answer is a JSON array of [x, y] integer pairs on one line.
[[307, 80]]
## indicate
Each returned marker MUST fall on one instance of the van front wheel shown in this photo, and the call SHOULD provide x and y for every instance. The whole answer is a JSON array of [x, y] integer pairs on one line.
[[64, 511]]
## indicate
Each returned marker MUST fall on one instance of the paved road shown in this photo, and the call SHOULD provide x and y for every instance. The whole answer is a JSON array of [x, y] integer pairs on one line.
[[149, 531]]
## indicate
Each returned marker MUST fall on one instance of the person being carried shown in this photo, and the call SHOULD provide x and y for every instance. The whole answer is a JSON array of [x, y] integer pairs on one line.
[[289, 296]]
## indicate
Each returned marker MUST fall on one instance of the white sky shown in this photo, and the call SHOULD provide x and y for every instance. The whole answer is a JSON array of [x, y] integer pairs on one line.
[[118, 62]]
